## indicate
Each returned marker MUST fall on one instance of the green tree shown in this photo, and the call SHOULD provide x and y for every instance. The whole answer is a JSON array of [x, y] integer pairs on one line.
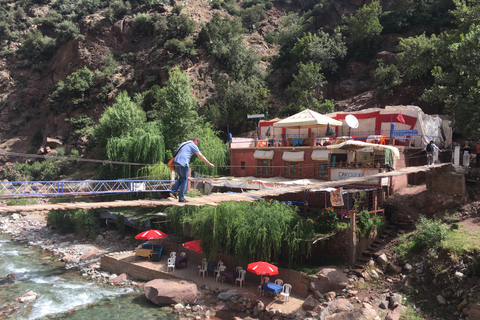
[[66, 31], [420, 54], [121, 118], [321, 48], [37, 47], [457, 85], [177, 109], [143, 24], [365, 24], [387, 77], [73, 92], [304, 88], [213, 148]]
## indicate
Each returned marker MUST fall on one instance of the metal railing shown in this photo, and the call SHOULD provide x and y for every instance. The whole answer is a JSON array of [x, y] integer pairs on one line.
[[53, 188]]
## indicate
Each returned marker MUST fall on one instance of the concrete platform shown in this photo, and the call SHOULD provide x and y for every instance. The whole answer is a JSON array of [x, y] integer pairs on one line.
[[146, 270]]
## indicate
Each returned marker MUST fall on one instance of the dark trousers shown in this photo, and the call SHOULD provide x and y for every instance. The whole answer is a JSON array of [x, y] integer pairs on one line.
[[478, 159]]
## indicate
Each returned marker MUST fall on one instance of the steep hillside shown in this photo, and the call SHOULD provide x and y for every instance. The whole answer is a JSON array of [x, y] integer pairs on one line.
[[132, 46]]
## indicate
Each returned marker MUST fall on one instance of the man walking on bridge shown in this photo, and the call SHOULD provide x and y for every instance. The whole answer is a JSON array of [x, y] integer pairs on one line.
[[182, 160], [430, 149]]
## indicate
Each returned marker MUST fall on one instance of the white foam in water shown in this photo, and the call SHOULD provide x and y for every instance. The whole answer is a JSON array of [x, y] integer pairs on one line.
[[67, 296]]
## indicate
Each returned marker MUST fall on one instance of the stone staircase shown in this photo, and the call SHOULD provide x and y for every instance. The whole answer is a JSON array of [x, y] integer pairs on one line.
[[376, 247]]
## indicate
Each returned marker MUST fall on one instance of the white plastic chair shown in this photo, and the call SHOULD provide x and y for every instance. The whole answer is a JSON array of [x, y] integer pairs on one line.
[[173, 254], [287, 288], [238, 269], [279, 282], [183, 254], [216, 272], [220, 269], [241, 278], [171, 264], [203, 268]]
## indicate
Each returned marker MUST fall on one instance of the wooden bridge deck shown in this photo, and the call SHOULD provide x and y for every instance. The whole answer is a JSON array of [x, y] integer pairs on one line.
[[213, 199]]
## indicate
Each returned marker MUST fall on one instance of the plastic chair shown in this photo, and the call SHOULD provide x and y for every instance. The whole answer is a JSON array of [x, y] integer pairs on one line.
[[241, 278], [183, 254], [238, 269], [220, 269], [279, 282], [173, 254], [171, 264], [203, 268], [287, 288], [216, 272]]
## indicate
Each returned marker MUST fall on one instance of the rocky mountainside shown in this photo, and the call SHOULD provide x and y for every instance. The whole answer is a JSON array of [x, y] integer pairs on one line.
[[29, 124]]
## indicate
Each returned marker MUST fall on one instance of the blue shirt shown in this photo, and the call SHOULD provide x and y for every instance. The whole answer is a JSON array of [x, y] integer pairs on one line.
[[188, 150]]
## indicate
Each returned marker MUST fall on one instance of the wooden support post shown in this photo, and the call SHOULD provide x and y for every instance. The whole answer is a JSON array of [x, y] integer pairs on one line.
[[353, 239], [375, 200]]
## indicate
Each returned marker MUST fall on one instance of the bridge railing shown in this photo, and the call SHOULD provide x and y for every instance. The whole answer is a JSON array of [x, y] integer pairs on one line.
[[52, 188]]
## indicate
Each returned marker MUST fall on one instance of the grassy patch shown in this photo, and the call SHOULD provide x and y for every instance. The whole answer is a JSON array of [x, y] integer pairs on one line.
[[20, 202], [461, 241]]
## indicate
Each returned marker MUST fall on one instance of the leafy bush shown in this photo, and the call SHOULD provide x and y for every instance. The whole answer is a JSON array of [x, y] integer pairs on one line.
[[454, 226], [364, 223], [88, 220], [73, 92], [37, 171], [143, 24], [20, 202], [252, 16], [116, 10], [81, 125], [327, 221], [387, 77], [430, 233], [66, 31], [61, 220], [68, 221], [37, 47]]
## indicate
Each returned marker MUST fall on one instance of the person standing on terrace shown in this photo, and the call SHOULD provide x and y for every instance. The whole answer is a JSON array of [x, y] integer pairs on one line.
[[182, 161], [430, 149]]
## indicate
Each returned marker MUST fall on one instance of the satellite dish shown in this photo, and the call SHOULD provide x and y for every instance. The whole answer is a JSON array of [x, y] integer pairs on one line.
[[352, 121]]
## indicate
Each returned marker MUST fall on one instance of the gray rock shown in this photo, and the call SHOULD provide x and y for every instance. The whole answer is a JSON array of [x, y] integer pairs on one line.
[[226, 295], [329, 278], [374, 274], [166, 292], [382, 259], [441, 300]]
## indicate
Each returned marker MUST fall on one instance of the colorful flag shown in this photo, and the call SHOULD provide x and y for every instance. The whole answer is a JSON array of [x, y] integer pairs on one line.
[[400, 118], [336, 197]]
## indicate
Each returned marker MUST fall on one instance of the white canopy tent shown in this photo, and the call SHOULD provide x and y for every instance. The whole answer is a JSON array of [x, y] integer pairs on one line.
[[306, 119]]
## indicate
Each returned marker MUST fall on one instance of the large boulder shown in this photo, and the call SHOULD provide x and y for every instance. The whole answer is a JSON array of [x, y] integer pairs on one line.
[[166, 292], [356, 314], [330, 278]]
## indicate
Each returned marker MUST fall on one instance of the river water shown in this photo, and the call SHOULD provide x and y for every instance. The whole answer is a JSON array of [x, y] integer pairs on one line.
[[64, 294]]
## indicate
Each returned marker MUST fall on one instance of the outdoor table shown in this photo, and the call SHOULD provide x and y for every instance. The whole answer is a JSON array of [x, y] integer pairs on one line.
[[179, 260], [146, 253], [271, 287], [229, 274]]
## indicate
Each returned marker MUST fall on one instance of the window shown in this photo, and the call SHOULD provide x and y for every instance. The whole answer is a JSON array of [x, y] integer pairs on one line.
[[320, 169], [264, 167], [293, 168], [242, 165]]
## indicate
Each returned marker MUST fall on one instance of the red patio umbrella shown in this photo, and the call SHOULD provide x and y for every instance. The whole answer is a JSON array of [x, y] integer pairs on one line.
[[151, 234], [262, 268], [194, 245]]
